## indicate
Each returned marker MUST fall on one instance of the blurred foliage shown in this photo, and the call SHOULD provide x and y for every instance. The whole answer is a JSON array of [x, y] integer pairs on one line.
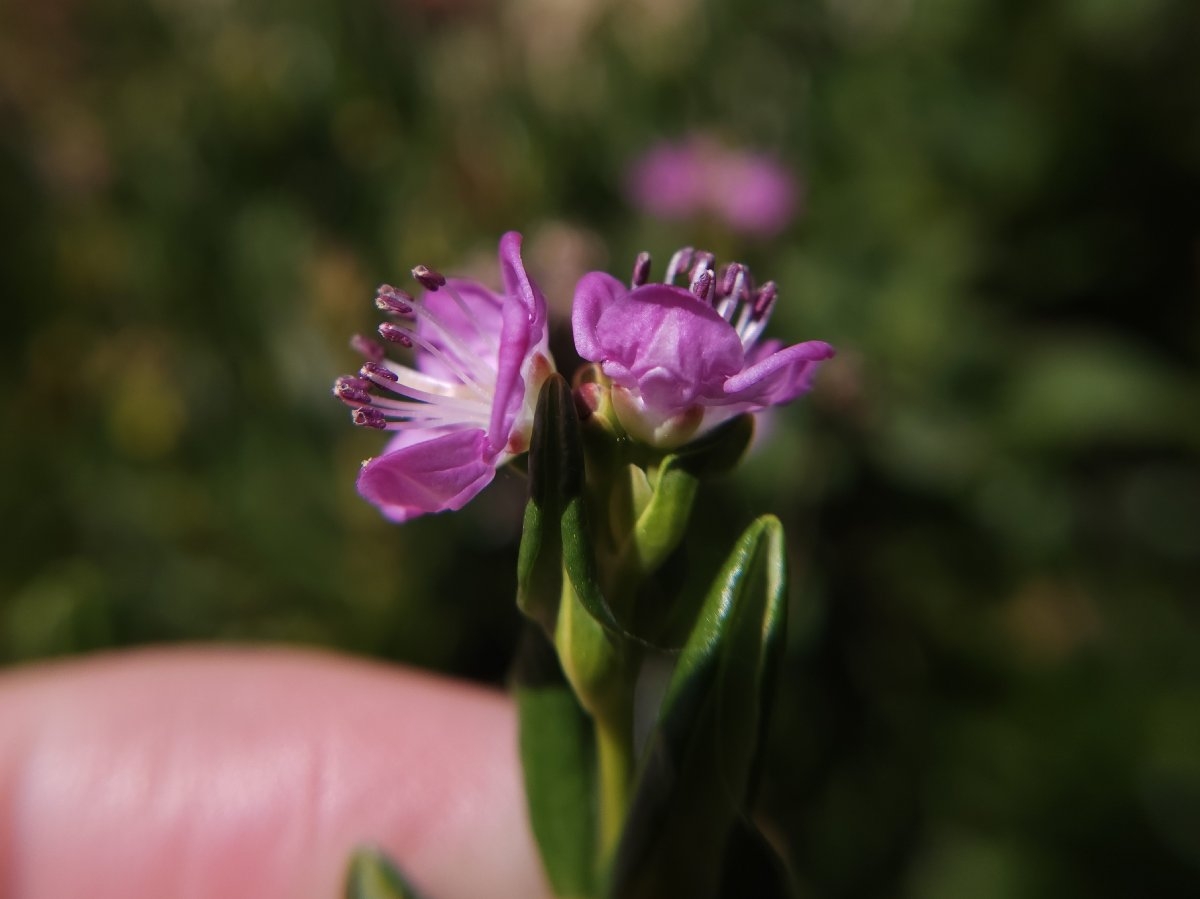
[[993, 497]]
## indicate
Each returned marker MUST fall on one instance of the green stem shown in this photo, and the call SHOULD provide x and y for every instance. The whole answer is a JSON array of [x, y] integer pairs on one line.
[[614, 755]]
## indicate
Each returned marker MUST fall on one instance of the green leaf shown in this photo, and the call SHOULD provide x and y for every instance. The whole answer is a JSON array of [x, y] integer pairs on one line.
[[556, 476], [371, 875], [699, 765], [557, 757]]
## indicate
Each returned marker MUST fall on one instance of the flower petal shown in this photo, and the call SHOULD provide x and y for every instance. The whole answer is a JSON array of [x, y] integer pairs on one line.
[[671, 346], [780, 377], [523, 326], [478, 336], [436, 475], [594, 293]]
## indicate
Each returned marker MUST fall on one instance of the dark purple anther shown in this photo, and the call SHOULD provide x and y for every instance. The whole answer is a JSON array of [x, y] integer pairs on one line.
[[728, 279], [702, 286], [351, 395], [641, 269], [395, 334], [367, 348], [764, 299], [428, 278], [376, 370], [393, 300], [368, 417], [352, 382]]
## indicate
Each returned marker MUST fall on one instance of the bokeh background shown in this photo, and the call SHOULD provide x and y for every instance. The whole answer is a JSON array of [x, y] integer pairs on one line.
[[992, 687]]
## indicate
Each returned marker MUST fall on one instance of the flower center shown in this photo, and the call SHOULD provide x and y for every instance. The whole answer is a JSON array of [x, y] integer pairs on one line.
[[386, 395], [729, 290]]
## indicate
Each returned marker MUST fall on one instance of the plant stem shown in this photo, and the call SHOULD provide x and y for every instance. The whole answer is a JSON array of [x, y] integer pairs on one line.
[[614, 755]]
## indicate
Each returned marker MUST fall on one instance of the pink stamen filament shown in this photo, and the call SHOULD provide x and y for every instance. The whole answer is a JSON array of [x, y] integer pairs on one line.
[[454, 364], [473, 319]]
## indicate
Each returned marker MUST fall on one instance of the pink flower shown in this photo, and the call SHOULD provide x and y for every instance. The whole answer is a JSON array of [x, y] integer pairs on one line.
[[750, 192], [466, 408], [682, 360]]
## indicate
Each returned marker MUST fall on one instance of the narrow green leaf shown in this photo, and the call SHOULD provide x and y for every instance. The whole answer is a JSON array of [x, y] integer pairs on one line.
[[371, 875], [556, 473], [557, 756], [697, 772]]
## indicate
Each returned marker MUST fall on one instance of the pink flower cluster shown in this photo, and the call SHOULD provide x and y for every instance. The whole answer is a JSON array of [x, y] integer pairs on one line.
[[678, 360], [752, 193]]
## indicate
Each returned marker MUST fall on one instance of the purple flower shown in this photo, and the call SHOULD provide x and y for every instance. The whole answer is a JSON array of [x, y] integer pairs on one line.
[[685, 359], [466, 408], [752, 193]]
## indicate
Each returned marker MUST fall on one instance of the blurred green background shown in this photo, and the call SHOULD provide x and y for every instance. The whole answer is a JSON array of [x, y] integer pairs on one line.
[[993, 496]]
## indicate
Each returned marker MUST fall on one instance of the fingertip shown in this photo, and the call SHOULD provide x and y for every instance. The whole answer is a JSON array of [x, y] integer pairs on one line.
[[254, 773]]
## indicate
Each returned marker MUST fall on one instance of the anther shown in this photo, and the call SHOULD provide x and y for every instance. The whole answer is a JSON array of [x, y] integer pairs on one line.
[[428, 278], [367, 348], [701, 261], [702, 285], [375, 370], [352, 383], [764, 299], [728, 279], [641, 270], [393, 300], [368, 417], [352, 395], [395, 334], [679, 263]]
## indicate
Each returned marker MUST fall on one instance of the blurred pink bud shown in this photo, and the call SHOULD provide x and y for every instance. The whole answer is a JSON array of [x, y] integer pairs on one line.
[[751, 193]]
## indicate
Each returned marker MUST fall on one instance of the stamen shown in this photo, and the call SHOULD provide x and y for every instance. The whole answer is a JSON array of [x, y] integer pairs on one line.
[[466, 358], [369, 418], [396, 334], [352, 396], [728, 279], [458, 363], [423, 404], [393, 300], [367, 348], [429, 278], [353, 382], [739, 292], [679, 262], [488, 336], [702, 285], [641, 270], [764, 300], [375, 370], [702, 260]]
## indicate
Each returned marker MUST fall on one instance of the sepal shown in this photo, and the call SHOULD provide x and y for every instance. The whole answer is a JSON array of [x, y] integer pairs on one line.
[[556, 479]]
